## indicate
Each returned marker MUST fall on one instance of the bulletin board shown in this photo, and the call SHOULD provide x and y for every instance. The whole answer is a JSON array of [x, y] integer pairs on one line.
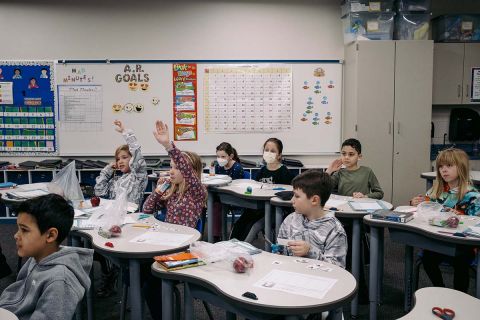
[[203, 102], [27, 108]]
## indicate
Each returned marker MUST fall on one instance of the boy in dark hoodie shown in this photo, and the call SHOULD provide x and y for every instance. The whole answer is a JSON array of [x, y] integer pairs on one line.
[[312, 232], [53, 281]]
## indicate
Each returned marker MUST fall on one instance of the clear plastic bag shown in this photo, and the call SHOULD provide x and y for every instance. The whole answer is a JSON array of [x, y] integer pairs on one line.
[[66, 184], [427, 210], [113, 216], [223, 256], [445, 220]]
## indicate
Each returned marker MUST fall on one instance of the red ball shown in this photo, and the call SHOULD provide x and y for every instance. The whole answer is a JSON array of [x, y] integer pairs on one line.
[[240, 265], [115, 230], [95, 201]]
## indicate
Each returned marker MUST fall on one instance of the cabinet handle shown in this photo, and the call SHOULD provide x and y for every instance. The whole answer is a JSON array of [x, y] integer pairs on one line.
[[459, 91], [467, 91], [398, 127], [389, 127]]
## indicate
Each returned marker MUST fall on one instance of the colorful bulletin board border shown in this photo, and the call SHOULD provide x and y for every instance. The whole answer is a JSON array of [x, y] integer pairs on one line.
[[27, 108], [185, 112]]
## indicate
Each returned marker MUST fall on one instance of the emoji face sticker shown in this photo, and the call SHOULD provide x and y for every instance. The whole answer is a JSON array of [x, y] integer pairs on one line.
[[155, 101], [305, 85], [144, 86], [128, 107], [133, 86], [319, 72], [117, 108], [138, 107]]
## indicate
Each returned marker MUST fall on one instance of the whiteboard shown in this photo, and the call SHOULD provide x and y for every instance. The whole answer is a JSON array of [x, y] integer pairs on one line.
[[93, 90]]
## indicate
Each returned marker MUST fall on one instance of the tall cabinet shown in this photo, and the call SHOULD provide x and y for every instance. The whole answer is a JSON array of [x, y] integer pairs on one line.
[[388, 103], [452, 76]]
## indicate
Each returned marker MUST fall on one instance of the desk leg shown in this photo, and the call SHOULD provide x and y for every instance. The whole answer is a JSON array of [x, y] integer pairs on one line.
[[373, 278], [167, 300], [135, 289], [188, 302], [278, 219], [210, 216], [408, 277], [225, 210], [230, 315], [381, 235], [268, 225], [478, 274], [356, 261]]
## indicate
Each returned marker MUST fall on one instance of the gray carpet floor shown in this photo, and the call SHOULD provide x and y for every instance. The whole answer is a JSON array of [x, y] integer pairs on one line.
[[391, 308]]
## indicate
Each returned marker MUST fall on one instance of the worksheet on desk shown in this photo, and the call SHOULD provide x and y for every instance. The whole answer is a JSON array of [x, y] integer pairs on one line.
[[296, 283]]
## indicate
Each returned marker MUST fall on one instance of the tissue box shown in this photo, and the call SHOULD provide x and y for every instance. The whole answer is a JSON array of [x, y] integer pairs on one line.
[[368, 25], [412, 26], [457, 27]]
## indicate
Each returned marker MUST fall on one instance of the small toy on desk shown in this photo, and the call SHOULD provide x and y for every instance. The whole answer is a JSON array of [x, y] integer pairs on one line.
[[143, 216], [104, 233], [109, 244], [115, 230], [241, 264], [249, 190]]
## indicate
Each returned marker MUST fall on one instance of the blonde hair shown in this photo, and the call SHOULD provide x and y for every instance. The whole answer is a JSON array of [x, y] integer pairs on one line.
[[452, 157], [123, 147], [196, 162]]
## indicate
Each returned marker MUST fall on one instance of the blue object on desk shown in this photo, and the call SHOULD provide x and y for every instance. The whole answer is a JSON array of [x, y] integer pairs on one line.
[[143, 216], [249, 190], [279, 188], [7, 185]]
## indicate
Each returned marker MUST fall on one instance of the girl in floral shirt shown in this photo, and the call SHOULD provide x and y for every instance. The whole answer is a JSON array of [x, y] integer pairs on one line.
[[453, 189], [185, 199]]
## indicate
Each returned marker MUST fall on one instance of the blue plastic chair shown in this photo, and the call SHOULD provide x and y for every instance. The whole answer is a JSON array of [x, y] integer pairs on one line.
[[246, 174]]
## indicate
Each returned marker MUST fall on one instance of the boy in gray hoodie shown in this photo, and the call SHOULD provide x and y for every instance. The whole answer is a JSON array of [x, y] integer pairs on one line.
[[53, 281], [314, 233]]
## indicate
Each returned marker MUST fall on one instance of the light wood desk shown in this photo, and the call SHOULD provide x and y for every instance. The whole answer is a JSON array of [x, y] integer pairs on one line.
[[430, 176], [132, 254], [7, 315], [465, 306], [415, 233], [341, 211], [259, 199], [218, 284]]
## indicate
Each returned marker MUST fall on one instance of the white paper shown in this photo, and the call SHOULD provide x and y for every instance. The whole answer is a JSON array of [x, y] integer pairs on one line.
[[162, 238], [296, 283], [128, 219], [78, 213], [365, 206], [283, 242], [334, 203], [28, 194]]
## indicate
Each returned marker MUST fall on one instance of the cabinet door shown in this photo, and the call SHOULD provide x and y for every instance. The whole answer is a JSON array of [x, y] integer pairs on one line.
[[447, 73], [413, 113], [471, 60], [375, 98]]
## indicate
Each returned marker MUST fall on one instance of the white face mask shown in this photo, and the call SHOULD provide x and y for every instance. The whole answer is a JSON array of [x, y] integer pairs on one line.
[[222, 162], [269, 157]]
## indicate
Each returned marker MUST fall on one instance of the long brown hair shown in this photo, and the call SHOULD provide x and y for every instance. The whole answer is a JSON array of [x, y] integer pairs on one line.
[[452, 157], [196, 162], [229, 150]]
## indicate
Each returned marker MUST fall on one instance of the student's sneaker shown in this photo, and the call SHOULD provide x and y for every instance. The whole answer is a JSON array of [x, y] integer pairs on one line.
[[108, 284]]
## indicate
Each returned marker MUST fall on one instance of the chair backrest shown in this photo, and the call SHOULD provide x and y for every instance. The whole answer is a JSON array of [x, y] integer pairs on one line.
[[246, 174], [201, 222]]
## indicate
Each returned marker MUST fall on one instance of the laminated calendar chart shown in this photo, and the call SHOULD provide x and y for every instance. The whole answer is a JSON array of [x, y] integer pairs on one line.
[[248, 98], [27, 112]]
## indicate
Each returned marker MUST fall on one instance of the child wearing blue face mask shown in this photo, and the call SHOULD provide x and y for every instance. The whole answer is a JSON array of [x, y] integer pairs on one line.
[[274, 172], [228, 161]]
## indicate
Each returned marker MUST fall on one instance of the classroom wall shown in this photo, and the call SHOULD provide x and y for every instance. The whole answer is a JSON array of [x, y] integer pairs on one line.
[[118, 29]]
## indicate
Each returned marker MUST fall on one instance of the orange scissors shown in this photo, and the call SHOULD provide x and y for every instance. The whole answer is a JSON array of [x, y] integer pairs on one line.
[[445, 314]]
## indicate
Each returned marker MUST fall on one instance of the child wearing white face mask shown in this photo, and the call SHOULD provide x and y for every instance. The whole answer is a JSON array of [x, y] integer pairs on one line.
[[274, 172], [228, 163]]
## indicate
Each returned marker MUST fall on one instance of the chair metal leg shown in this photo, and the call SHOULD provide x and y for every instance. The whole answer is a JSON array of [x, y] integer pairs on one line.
[[209, 311], [176, 303]]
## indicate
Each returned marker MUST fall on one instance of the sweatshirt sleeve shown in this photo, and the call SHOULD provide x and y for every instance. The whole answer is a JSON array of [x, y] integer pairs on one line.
[[138, 168], [335, 178], [57, 302], [376, 191], [335, 250], [104, 182], [153, 203], [237, 172]]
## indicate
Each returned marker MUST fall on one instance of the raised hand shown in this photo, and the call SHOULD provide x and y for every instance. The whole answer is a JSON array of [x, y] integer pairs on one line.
[[119, 126], [335, 165], [161, 133]]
